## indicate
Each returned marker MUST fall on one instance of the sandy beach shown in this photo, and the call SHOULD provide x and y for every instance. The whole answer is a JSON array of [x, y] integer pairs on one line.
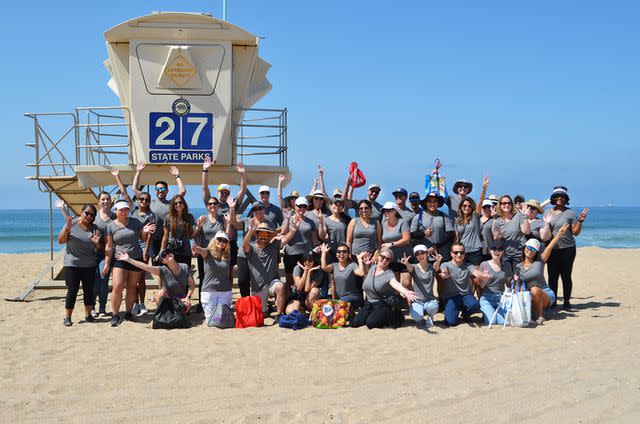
[[582, 366]]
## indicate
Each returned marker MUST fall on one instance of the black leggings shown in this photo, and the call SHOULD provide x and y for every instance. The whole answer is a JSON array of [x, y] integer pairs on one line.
[[377, 315], [200, 278], [560, 264], [73, 275], [244, 277]]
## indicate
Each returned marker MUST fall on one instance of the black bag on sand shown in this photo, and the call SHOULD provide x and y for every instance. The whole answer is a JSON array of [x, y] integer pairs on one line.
[[170, 314]]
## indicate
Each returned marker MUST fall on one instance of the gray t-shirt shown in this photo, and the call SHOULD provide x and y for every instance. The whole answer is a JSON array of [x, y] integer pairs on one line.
[[145, 219], [377, 286], [176, 286], [160, 209], [80, 251], [273, 215], [302, 241], [364, 238], [209, 229], [407, 215], [453, 204], [487, 234], [422, 282], [441, 225], [216, 275], [125, 238], [568, 216], [337, 231], [497, 279], [180, 236], [102, 226], [533, 276], [222, 214], [394, 234], [469, 234], [345, 279], [460, 281], [512, 234], [263, 265]]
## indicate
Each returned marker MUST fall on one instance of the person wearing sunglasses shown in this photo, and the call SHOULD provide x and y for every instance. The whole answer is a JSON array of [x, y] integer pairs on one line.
[[512, 227], [101, 288], [531, 271], [123, 236], [308, 279], [400, 196], [564, 254], [540, 229], [491, 289], [380, 285], [262, 257], [178, 230], [375, 208], [255, 217], [396, 237], [336, 226], [345, 273], [175, 279], [433, 227], [461, 190], [415, 203], [457, 286], [306, 237], [160, 204], [423, 276], [468, 231], [486, 225], [143, 214], [81, 238], [364, 233], [216, 286]]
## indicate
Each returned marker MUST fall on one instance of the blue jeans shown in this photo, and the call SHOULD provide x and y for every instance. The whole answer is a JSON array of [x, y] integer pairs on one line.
[[101, 286], [488, 304], [465, 303], [419, 309], [355, 301]]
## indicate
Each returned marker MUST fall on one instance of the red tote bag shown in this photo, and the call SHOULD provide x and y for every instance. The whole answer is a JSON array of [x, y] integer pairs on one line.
[[249, 312], [357, 177]]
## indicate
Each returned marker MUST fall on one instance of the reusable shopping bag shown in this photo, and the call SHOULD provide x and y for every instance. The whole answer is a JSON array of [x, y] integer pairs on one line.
[[222, 317], [249, 312], [170, 314], [329, 313], [357, 177]]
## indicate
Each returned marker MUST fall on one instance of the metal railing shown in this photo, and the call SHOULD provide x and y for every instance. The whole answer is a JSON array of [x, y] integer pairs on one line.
[[261, 132]]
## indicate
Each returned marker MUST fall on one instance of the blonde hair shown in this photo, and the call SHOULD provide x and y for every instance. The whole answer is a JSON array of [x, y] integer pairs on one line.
[[218, 253]]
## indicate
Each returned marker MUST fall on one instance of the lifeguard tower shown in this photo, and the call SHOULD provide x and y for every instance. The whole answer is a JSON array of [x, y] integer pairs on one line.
[[186, 84]]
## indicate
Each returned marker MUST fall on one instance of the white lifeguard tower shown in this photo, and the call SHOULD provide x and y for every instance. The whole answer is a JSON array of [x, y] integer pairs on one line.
[[186, 84]]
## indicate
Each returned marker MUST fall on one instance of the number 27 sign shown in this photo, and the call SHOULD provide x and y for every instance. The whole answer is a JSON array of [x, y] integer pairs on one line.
[[174, 138]]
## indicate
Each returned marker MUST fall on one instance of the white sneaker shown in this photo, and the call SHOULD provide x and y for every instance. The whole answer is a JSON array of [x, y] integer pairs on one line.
[[142, 310], [93, 313], [136, 309]]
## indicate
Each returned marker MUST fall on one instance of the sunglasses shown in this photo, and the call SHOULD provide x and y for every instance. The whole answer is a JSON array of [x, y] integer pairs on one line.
[[225, 193], [487, 207], [364, 209], [506, 203], [374, 191], [213, 203], [497, 249], [145, 200], [414, 200], [179, 202], [222, 240], [161, 189], [466, 206], [302, 206], [342, 252], [91, 214], [457, 252], [164, 254], [263, 233], [532, 249], [384, 258]]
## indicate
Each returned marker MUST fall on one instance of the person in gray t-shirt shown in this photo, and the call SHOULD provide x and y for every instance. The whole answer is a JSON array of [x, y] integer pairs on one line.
[[498, 275], [422, 275], [457, 289], [82, 239], [432, 227], [468, 233], [511, 227], [344, 273]]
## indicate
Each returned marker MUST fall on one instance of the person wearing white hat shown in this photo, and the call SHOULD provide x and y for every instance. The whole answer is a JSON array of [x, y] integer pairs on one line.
[[531, 272], [318, 209], [491, 289], [561, 260], [306, 236], [272, 213], [123, 235], [396, 237], [216, 286], [224, 191], [486, 223], [423, 276]]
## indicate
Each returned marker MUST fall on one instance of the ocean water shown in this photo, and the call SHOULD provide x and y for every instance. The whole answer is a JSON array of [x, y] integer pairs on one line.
[[27, 231]]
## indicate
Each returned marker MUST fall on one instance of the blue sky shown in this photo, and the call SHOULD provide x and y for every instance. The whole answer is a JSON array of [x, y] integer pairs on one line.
[[533, 94]]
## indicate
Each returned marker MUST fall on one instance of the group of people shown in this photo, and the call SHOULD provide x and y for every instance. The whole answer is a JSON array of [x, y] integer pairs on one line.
[[382, 258]]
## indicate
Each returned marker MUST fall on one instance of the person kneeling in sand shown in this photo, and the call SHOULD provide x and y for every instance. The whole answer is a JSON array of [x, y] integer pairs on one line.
[[307, 280], [262, 258], [457, 289], [175, 280]]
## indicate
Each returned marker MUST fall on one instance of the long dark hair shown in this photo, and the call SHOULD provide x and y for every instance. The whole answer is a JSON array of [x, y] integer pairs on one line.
[[461, 219], [173, 216]]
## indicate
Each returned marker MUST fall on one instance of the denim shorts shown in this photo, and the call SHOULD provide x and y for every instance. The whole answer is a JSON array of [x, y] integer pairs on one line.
[[551, 294]]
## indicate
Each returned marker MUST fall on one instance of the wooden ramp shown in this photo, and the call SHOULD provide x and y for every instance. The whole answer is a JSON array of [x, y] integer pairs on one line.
[[68, 189]]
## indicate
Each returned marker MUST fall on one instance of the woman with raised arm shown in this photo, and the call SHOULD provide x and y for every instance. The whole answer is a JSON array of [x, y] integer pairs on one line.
[[396, 237], [423, 276], [345, 273], [531, 272], [364, 234], [306, 237], [178, 230], [145, 216], [175, 279], [564, 253], [540, 228], [468, 233], [103, 218], [216, 286], [82, 239], [380, 285], [123, 235], [499, 274], [512, 227], [307, 282], [486, 225], [336, 226]]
